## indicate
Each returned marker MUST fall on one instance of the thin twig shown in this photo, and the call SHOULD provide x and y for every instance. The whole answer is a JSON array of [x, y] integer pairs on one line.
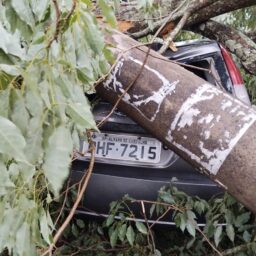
[[160, 203], [78, 199], [237, 249], [196, 5], [209, 242], [150, 234], [57, 24], [63, 204], [68, 16], [162, 216], [175, 14], [174, 32], [126, 90]]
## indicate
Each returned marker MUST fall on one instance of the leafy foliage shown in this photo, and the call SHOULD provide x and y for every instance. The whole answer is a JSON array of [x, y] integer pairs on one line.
[[242, 19], [51, 54], [229, 227], [250, 82]]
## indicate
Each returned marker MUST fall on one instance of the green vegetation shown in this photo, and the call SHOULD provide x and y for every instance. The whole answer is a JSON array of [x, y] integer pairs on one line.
[[229, 229], [50, 55]]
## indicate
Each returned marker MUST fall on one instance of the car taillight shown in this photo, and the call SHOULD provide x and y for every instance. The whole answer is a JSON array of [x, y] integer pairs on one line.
[[236, 78]]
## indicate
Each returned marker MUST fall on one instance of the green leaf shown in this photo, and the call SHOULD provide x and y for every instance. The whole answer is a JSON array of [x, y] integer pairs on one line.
[[87, 2], [27, 171], [36, 235], [190, 243], [23, 241], [247, 236], [74, 230], [10, 69], [191, 228], [20, 114], [4, 103], [100, 230], [217, 235], [108, 13], [122, 232], [80, 223], [5, 181], [14, 171], [167, 197], [92, 33], [200, 206], [12, 142], [58, 158], [157, 253], [113, 238], [81, 115], [10, 43], [44, 93], [230, 232], [44, 227], [130, 235], [209, 229], [242, 219], [180, 221], [5, 58], [15, 24], [191, 215], [110, 220], [141, 227], [22, 8], [230, 200], [39, 8], [33, 100], [70, 46], [109, 55], [34, 137], [152, 209]]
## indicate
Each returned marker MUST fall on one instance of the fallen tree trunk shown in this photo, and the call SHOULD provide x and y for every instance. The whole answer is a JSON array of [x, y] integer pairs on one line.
[[205, 126]]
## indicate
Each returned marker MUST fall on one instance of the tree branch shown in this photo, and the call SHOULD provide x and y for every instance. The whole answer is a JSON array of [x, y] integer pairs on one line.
[[235, 41], [218, 8], [174, 32], [252, 35], [208, 9], [58, 23]]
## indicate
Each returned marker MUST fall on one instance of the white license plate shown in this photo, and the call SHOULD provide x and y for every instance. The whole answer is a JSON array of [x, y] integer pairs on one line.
[[125, 147]]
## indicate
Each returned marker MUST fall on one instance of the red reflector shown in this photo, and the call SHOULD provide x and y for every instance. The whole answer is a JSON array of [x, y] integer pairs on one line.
[[234, 72], [236, 78]]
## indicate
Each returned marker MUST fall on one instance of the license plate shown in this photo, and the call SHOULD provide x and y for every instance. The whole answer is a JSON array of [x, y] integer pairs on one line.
[[125, 147]]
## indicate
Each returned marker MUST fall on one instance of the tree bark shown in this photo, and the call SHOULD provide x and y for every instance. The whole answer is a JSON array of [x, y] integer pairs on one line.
[[252, 35], [205, 126], [218, 8], [211, 9], [238, 43]]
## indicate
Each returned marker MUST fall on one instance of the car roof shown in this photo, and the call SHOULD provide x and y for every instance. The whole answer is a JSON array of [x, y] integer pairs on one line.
[[190, 49]]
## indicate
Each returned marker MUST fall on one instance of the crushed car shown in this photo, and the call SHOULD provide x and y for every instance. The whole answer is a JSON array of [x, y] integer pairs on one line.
[[130, 161]]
